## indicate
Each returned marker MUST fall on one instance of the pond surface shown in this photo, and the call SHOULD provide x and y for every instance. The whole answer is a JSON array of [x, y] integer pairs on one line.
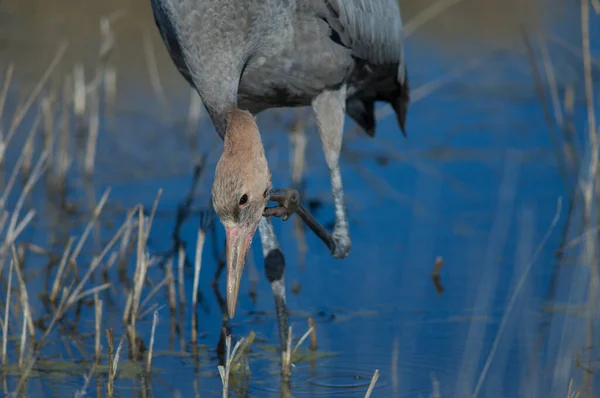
[[476, 184]]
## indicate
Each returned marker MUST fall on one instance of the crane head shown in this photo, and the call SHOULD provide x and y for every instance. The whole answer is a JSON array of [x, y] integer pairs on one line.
[[240, 193]]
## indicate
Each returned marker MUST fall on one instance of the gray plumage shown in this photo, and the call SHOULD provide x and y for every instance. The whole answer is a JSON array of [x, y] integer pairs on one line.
[[260, 54], [338, 56]]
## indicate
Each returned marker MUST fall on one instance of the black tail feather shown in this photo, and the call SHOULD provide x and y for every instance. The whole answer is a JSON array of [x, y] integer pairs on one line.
[[363, 113], [400, 103], [361, 107]]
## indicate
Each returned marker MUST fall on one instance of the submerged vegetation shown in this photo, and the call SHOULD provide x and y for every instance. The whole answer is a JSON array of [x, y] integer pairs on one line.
[[100, 261]]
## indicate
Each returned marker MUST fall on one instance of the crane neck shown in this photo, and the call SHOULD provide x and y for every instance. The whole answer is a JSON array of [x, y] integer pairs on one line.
[[242, 137]]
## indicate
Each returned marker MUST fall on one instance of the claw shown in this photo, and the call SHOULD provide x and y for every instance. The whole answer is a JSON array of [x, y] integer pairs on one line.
[[289, 203], [288, 200]]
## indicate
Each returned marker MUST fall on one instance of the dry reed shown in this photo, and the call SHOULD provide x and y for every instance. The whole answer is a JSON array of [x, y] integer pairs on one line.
[[154, 323], [224, 371], [514, 297], [94, 128], [180, 265], [588, 187], [372, 384], [204, 221], [6, 314], [22, 112], [98, 323]]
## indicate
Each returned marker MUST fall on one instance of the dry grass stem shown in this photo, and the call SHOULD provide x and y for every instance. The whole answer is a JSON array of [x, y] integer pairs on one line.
[[75, 298], [3, 219], [86, 382], [180, 265], [149, 296], [578, 239], [224, 371], [197, 267], [13, 176], [127, 310], [6, 315], [110, 85], [133, 310], [313, 334], [47, 110], [549, 69], [139, 279], [244, 347], [194, 328], [427, 15], [110, 338], [90, 225], [141, 266], [23, 223], [79, 94], [27, 153], [435, 387], [24, 296], [64, 157], [23, 343], [198, 264], [96, 262], [94, 128], [590, 194], [117, 356], [18, 117], [7, 80], [299, 343], [31, 181], [126, 239], [152, 308], [113, 361], [153, 213], [98, 318], [435, 275], [373, 382], [513, 298], [394, 367], [61, 269], [571, 393], [547, 112], [154, 323], [172, 298], [108, 39]]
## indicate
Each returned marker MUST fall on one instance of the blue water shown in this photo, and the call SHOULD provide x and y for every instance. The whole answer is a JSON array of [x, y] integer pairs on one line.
[[476, 182]]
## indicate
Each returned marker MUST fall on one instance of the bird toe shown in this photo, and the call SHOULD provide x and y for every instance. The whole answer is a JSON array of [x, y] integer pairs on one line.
[[342, 245]]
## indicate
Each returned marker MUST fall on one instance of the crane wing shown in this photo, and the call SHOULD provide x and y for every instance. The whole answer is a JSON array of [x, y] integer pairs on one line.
[[169, 36], [372, 29]]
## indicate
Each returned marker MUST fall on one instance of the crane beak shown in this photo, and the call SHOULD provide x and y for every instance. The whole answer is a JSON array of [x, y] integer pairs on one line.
[[237, 241]]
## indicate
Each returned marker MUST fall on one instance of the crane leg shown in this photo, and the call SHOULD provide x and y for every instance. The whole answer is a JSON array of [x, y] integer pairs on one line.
[[274, 271], [329, 110]]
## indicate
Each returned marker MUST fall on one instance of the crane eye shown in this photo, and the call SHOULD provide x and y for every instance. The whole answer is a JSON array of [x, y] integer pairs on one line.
[[243, 199]]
